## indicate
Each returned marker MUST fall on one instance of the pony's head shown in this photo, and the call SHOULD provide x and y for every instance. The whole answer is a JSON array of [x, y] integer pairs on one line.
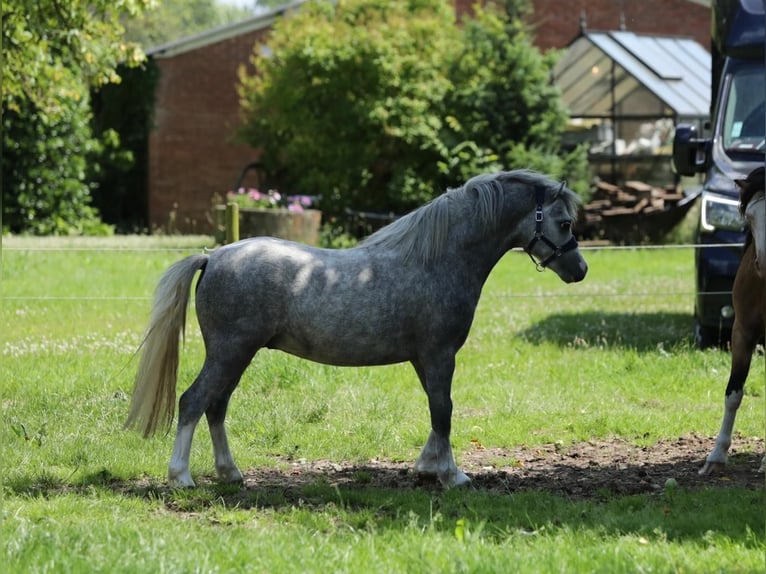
[[753, 208], [550, 211]]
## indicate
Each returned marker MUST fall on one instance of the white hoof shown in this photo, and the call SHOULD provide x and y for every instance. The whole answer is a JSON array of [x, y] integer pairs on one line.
[[180, 479], [762, 470]]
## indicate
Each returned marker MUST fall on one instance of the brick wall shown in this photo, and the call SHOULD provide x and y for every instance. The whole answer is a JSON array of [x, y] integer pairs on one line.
[[191, 152]]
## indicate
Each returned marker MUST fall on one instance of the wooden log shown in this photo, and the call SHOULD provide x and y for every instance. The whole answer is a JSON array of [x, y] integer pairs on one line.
[[626, 198], [604, 190], [598, 204], [638, 188], [618, 211], [641, 205]]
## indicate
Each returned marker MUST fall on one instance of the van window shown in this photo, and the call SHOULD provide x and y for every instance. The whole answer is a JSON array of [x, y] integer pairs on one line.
[[744, 120], [743, 125]]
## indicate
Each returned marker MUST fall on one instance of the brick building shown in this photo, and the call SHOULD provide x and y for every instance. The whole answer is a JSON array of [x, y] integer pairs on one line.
[[191, 152]]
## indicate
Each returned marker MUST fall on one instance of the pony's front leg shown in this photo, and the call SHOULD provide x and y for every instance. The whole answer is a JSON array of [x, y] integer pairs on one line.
[[436, 457]]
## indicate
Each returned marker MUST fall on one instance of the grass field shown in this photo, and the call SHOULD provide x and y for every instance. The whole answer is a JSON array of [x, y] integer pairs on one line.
[[545, 363]]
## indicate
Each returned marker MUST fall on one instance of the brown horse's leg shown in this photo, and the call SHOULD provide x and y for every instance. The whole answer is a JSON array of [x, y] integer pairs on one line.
[[743, 341]]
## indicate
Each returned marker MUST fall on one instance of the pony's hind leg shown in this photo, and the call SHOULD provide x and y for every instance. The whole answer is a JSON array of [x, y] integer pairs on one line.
[[225, 467], [209, 394], [178, 469], [436, 457]]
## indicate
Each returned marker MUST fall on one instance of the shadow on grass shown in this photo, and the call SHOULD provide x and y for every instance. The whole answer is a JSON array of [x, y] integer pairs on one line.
[[584, 487], [639, 331]]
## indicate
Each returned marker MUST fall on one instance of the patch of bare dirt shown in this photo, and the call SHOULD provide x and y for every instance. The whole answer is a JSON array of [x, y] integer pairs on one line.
[[584, 470]]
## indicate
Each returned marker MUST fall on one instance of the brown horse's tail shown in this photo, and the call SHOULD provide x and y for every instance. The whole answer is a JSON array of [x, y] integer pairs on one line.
[[154, 393]]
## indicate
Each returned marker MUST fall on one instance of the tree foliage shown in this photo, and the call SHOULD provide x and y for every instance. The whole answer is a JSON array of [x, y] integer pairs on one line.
[[349, 107], [503, 98], [54, 52], [381, 105]]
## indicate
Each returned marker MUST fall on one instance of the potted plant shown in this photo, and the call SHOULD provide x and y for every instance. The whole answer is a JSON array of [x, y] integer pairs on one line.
[[271, 213]]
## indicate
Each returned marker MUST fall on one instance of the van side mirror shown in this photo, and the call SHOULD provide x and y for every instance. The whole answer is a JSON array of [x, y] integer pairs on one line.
[[689, 151]]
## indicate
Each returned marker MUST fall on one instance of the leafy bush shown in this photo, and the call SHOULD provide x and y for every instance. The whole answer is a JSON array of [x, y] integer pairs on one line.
[[503, 104], [54, 52], [45, 171], [350, 108], [381, 105]]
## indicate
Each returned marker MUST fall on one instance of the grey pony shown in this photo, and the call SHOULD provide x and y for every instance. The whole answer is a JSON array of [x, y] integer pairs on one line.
[[406, 293]]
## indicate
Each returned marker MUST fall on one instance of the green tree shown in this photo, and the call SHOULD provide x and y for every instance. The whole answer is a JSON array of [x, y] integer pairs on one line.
[[54, 52], [350, 105], [382, 105], [503, 99]]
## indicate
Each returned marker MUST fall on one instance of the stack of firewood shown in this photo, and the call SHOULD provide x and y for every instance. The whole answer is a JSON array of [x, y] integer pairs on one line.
[[633, 197]]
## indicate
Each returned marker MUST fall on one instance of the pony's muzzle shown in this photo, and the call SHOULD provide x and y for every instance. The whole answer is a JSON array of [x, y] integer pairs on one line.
[[570, 267], [581, 272]]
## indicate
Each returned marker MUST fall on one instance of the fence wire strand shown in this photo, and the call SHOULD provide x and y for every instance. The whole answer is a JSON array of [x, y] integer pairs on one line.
[[583, 247]]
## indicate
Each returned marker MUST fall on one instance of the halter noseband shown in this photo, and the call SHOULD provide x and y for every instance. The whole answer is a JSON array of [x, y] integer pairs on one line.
[[558, 251]]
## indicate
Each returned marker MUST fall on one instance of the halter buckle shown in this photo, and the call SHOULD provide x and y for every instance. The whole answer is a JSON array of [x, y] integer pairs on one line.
[[556, 250]]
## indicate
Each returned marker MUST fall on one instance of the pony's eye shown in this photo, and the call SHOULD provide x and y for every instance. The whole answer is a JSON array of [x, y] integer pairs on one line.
[[565, 225]]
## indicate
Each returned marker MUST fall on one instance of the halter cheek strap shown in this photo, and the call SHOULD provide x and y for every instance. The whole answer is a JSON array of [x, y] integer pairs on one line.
[[557, 250]]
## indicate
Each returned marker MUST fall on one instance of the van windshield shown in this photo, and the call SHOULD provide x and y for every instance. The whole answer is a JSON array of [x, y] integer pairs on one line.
[[744, 121]]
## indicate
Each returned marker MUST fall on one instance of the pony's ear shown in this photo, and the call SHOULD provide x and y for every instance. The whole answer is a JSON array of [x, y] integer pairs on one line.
[[741, 183]]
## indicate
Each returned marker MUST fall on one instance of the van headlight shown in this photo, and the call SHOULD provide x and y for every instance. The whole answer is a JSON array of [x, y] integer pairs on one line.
[[721, 213]]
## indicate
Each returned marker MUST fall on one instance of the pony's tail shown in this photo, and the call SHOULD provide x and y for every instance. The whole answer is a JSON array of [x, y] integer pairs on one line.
[[154, 393]]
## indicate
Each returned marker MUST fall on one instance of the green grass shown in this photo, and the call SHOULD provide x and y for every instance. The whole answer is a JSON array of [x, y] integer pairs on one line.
[[545, 362]]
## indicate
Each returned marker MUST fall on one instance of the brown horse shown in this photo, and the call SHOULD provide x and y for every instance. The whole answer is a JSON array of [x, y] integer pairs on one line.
[[749, 297]]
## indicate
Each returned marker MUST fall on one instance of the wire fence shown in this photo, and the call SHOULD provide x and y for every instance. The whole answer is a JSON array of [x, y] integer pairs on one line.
[[195, 249], [583, 247]]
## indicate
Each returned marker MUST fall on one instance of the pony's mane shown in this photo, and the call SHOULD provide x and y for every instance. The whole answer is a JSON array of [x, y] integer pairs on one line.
[[422, 234], [748, 188]]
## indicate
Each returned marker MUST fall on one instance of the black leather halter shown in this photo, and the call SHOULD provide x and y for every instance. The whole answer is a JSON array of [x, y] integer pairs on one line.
[[558, 251]]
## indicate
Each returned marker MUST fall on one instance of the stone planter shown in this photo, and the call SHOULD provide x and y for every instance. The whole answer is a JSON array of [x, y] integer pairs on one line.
[[301, 226]]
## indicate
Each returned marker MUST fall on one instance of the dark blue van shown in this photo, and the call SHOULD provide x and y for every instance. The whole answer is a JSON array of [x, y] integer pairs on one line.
[[732, 146]]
